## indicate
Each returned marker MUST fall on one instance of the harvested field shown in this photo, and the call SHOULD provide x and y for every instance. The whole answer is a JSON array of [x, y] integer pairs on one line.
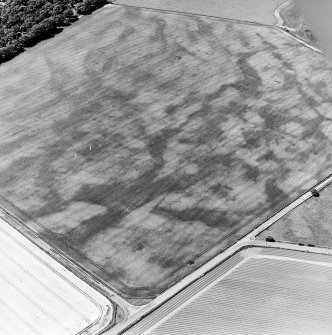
[[260, 11], [141, 144], [309, 223]]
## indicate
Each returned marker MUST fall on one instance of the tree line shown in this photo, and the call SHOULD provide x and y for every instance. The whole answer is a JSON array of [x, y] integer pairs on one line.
[[23, 23]]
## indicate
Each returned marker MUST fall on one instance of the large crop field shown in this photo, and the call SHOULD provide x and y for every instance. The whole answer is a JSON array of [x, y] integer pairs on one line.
[[141, 144]]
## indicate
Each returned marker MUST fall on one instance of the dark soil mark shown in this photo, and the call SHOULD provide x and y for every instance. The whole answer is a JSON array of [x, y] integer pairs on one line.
[[253, 139], [221, 190], [250, 85], [211, 218], [127, 32], [9, 175], [165, 263], [171, 109], [157, 146], [159, 35], [88, 228], [53, 204], [206, 31], [269, 156], [252, 172], [274, 193]]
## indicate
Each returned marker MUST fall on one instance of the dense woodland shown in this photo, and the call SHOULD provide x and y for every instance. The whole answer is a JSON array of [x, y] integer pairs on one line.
[[23, 23]]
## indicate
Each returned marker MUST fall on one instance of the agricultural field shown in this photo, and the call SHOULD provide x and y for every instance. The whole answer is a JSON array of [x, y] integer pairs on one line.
[[141, 144], [309, 223], [260, 11]]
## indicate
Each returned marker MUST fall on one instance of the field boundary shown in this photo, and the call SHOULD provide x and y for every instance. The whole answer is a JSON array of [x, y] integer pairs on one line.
[[276, 26], [177, 12]]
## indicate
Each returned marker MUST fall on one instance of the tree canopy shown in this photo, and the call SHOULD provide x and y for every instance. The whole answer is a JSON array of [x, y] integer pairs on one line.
[[24, 23]]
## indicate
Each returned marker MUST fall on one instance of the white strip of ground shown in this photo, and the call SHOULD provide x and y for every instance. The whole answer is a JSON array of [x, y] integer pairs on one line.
[[280, 21], [40, 296]]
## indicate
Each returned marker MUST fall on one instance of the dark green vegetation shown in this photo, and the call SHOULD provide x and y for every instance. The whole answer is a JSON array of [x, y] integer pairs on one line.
[[142, 144], [23, 23], [308, 224]]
